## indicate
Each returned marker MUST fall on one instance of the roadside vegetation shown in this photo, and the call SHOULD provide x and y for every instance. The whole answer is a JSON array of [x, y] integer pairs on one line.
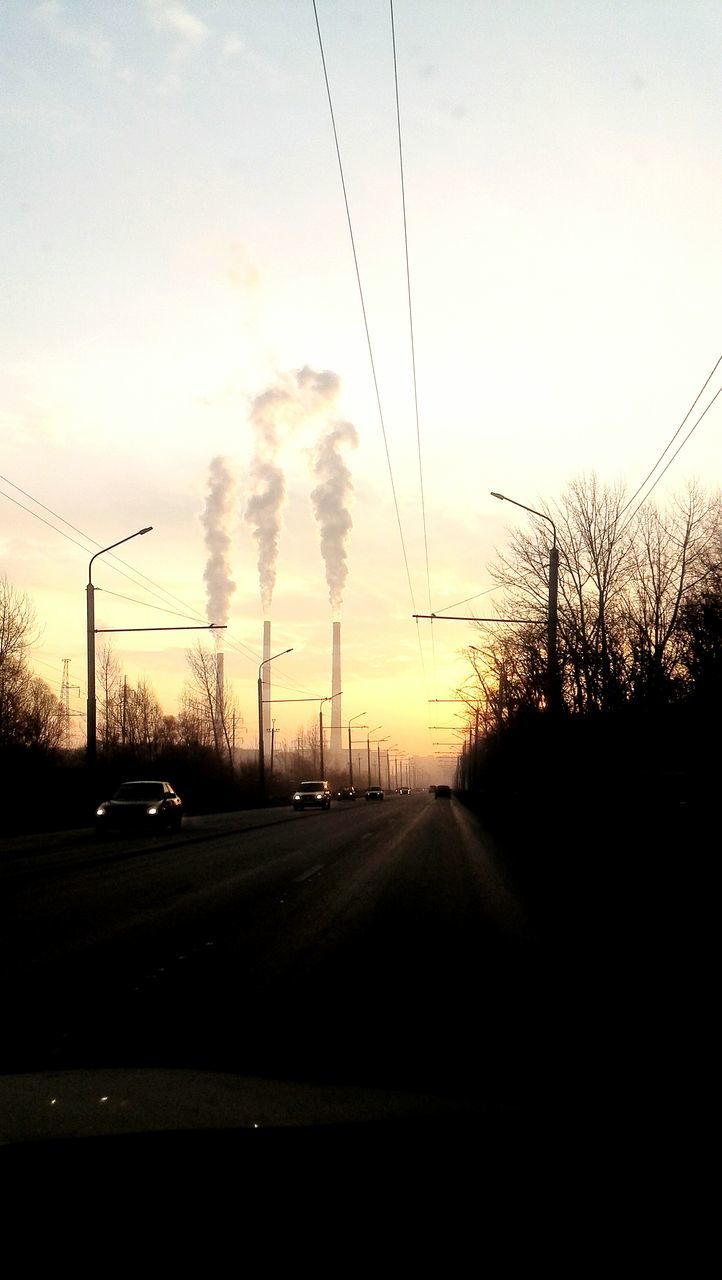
[[626, 756]]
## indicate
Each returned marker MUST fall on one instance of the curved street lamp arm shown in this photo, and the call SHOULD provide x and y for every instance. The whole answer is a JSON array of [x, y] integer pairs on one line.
[[503, 498], [138, 534], [276, 655]]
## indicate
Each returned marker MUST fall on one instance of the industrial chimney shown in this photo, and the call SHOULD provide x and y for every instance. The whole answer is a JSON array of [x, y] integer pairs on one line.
[[336, 691], [219, 693], [266, 678]]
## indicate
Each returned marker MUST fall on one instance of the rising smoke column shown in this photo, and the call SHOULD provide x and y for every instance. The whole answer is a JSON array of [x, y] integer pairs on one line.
[[274, 413], [331, 500], [216, 520]]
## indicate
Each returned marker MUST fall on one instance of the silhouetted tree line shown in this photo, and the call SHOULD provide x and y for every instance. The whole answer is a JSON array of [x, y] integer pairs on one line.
[[633, 742], [46, 783]]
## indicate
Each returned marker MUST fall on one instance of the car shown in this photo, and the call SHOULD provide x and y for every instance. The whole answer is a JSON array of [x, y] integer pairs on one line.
[[314, 795], [432, 789], [404, 791], [346, 793], [443, 792], [375, 793], [148, 803]]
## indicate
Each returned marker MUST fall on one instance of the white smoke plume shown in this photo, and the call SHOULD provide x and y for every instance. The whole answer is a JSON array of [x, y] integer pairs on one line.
[[274, 414], [331, 499], [216, 520]]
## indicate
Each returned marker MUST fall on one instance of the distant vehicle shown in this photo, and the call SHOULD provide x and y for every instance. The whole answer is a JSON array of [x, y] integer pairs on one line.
[[346, 793], [432, 789], [150, 804], [375, 793], [315, 795], [443, 793], [404, 791]]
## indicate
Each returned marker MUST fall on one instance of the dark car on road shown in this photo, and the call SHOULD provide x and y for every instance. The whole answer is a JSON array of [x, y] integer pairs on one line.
[[346, 793], [148, 804], [443, 792], [375, 793], [314, 795]]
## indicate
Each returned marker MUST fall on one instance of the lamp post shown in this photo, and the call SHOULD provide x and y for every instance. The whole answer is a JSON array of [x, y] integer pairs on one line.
[[368, 752], [91, 719], [350, 761], [320, 722], [261, 756], [394, 747], [552, 680], [378, 753]]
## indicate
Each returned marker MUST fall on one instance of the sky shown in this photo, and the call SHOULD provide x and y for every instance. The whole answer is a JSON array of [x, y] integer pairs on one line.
[[183, 343]]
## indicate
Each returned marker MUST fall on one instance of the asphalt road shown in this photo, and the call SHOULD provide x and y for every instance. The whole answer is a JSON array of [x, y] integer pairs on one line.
[[374, 945]]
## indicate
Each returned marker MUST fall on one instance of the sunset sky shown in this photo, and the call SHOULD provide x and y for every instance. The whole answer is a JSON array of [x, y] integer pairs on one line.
[[179, 286]]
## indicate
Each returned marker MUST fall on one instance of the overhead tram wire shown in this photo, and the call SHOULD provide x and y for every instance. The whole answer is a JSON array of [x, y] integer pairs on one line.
[[94, 543], [411, 327], [365, 319], [671, 442], [674, 455], [230, 641]]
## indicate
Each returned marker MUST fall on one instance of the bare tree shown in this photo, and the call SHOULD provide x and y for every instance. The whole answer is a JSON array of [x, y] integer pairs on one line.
[[622, 585], [17, 623], [110, 679], [43, 720], [209, 704], [673, 556]]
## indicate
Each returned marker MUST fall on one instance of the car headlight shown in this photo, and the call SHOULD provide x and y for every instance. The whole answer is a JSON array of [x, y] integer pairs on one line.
[[319, 795], [101, 812], [153, 809], [297, 796]]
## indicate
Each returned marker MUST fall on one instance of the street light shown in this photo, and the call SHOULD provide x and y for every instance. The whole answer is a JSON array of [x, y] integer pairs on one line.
[[552, 681], [320, 720], [368, 751], [91, 719], [261, 756], [350, 761], [378, 753], [394, 747]]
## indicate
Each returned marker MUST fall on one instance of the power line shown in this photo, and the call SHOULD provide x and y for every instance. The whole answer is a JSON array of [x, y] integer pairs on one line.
[[363, 304], [671, 442], [413, 348], [230, 641], [456, 603], [674, 455], [411, 314]]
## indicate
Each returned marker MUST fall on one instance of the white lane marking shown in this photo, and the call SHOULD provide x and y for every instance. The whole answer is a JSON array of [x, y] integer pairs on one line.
[[311, 872]]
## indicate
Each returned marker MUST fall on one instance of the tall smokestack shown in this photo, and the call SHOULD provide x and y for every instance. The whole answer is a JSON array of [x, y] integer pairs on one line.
[[219, 692], [266, 678], [336, 690]]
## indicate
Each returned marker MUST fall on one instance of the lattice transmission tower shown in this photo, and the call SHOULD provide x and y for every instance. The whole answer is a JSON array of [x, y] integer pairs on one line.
[[65, 689]]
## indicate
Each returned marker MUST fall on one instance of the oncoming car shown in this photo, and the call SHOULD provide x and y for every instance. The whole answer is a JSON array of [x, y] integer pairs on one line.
[[375, 793], [346, 793], [150, 804], [315, 795]]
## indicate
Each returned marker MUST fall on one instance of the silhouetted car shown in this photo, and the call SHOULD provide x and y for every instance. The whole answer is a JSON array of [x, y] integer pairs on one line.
[[432, 789], [404, 791], [375, 793], [150, 804], [346, 793], [443, 793], [315, 795]]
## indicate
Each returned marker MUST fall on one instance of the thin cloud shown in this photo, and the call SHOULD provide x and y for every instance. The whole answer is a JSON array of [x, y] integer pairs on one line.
[[168, 16]]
